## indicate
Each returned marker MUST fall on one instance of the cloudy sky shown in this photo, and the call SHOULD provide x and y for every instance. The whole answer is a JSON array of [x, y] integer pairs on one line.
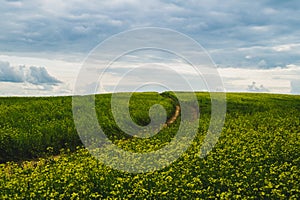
[[43, 43]]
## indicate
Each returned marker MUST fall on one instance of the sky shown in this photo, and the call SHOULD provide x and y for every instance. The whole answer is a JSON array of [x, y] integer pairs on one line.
[[255, 45]]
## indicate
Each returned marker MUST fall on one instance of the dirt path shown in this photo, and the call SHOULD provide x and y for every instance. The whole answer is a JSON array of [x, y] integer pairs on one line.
[[174, 117], [176, 114], [194, 114]]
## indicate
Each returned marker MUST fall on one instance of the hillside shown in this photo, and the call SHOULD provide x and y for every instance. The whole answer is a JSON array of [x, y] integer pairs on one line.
[[257, 155]]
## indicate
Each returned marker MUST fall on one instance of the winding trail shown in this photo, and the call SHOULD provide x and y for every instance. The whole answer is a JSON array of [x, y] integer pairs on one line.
[[174, 117], [193, 115]]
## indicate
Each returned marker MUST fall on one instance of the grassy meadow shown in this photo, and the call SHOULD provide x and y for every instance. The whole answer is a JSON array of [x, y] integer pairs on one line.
[[256, 157]]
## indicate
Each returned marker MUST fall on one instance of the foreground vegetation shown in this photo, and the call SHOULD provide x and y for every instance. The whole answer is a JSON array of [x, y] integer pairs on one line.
[[257, 155]]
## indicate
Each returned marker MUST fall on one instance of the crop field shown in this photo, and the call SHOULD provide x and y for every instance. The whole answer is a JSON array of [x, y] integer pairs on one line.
[[256, 157]]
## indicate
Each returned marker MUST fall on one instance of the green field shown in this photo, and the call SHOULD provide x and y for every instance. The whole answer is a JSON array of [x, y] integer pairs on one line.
[[256, 157]]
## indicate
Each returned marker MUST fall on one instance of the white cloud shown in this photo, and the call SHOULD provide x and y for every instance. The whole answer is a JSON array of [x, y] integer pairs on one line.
[[28, 89], [262, 64], [20, 80], [234, 33], [254, 88], [295, 86], [33, 75], [270, 11], [260, 28], [285, 47], [276, 80]]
